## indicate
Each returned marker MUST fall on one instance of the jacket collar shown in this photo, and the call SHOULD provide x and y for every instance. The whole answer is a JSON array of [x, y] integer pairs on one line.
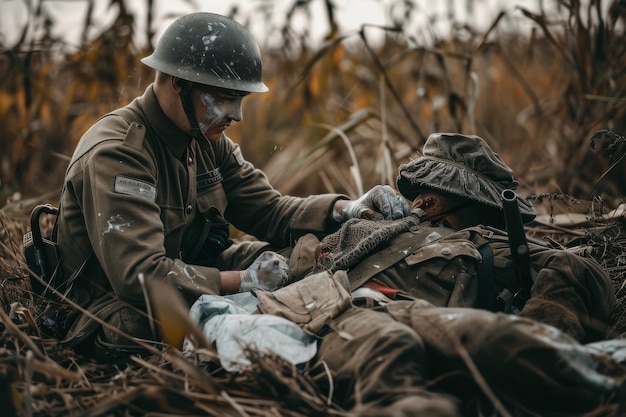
[[162, 127]]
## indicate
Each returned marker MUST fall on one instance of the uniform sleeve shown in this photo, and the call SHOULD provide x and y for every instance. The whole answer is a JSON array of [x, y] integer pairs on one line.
[[571, 293], [255, 207], [117, 199]]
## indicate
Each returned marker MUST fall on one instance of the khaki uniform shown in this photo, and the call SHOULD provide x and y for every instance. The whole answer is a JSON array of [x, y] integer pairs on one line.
[[419, 358], [570, 292], [410, 358], [141, 198]]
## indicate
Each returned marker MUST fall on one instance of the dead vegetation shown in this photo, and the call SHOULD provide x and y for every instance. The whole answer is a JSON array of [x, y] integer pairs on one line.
[[339, 117], [39, 378]]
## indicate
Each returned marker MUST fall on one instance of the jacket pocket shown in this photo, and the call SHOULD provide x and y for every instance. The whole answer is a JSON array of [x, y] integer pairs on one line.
[[212, 197]]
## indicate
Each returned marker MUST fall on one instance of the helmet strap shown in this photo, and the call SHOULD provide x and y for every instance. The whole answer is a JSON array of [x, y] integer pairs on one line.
[[185, 99]]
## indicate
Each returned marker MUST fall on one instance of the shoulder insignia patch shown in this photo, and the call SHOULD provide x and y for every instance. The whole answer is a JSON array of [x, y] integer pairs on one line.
[[238, 156], [125, 185]]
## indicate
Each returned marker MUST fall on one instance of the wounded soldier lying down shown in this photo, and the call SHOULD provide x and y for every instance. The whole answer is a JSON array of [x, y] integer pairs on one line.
[[410, 358], [454, 252], [395, 350]]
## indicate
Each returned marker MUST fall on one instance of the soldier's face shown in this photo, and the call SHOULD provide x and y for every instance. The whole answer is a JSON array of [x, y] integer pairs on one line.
[[431, 203], [438, 209], [216, 109]]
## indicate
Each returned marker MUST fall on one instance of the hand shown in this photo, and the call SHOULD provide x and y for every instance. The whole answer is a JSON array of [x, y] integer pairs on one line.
[[268, 272], [380, 200]]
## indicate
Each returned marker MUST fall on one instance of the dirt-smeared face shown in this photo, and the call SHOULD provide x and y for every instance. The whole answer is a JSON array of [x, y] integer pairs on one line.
[[430, 205], [448, 210], [216, 109]]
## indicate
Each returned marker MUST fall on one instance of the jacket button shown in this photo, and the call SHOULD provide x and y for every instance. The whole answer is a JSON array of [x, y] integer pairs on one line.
[[445, 251], [189, 209]]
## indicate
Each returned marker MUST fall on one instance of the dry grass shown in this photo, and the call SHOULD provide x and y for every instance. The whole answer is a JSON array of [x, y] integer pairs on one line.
[[37, 378], [349, 113], [536, 96]]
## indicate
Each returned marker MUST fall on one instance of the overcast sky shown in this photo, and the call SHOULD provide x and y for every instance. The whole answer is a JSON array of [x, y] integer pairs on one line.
[[351, 14]]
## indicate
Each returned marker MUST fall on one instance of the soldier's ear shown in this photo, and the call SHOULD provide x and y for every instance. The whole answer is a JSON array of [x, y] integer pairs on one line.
[[177, 83], [181, 85]]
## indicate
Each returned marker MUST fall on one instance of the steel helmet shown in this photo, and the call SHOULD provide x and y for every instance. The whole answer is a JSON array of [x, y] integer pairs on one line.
[[210, 49]]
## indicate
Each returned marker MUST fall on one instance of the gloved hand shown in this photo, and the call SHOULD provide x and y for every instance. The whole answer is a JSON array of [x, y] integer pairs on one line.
[[380, 200], [268, 272]]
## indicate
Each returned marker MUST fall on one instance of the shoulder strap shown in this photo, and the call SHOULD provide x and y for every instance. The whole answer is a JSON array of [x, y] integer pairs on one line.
[[136, 129], [486, 283], [400, 247], [508, 300], [135, 135]]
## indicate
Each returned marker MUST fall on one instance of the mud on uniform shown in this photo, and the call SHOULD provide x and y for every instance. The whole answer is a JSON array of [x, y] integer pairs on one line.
[[140, 195]]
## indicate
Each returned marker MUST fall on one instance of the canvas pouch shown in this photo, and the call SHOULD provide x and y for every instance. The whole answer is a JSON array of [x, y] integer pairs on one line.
[[312, 303]]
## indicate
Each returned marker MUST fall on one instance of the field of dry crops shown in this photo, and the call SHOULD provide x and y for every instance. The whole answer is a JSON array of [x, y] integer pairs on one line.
[[340, 117], [343, 115]]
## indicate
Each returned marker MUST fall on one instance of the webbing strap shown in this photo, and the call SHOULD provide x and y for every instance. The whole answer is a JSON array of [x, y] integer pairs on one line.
[[400, 247], [309, 303], [486, 282]]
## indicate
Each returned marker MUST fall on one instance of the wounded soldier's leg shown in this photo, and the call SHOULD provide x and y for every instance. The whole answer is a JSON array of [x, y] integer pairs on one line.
[[377, 367], [521, 360]]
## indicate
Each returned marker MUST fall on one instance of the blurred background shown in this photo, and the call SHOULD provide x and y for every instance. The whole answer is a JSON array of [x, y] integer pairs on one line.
[[356, 87]]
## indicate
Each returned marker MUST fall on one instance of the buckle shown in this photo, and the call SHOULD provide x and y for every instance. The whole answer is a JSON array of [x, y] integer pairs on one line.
[[488, 235]]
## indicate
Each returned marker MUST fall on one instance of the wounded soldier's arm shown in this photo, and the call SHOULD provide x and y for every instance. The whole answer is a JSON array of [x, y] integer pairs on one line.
[[571, 293]]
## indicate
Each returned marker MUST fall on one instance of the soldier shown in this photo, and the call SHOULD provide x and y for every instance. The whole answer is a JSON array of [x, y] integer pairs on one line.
[[455, 252], [152, 188], [405, 354]]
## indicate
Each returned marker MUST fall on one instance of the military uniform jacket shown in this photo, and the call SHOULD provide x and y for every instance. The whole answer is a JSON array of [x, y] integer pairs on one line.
[[570, 292], [138, 192], [474, 268]]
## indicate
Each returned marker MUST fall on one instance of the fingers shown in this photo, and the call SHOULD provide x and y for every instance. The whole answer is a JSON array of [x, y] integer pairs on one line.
[[273, 270], [389, 203], [370, 215], [269, 271], [380, 201]]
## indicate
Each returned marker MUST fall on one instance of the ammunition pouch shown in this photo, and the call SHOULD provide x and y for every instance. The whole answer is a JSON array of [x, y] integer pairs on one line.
[[312, 303]]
